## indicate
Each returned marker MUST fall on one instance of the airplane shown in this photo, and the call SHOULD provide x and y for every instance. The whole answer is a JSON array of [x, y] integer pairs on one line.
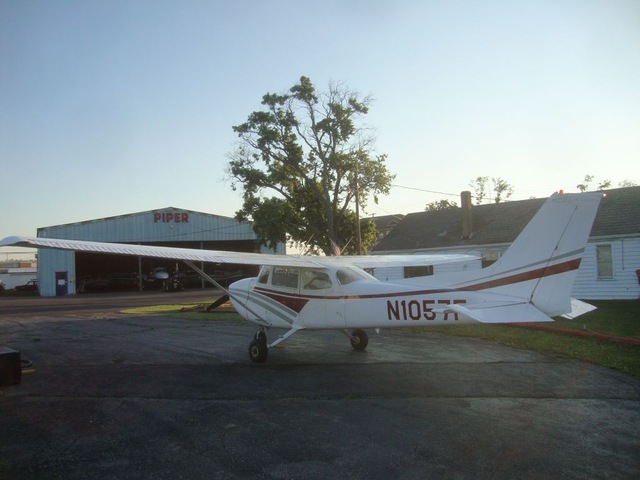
[[530, 282]]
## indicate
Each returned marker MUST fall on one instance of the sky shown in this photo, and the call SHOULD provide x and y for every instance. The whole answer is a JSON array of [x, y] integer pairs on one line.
[[122, 106]]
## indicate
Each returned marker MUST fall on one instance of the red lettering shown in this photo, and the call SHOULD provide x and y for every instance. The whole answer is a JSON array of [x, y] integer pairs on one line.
[[446, 312], [414, 310], [168, 217], [392, 311], [429, 314]]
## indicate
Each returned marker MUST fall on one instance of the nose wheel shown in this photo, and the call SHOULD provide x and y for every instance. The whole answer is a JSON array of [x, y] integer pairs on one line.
[[258, 350]]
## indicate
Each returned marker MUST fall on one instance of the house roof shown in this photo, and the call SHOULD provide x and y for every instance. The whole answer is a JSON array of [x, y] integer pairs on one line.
[[385, 222], [500, 223]]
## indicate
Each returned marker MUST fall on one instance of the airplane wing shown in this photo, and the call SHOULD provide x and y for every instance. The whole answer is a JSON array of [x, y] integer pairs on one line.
[[378, 261], [187, 254], [219, 256]]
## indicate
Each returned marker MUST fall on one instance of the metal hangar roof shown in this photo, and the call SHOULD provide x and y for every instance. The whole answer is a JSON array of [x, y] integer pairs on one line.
[[164, 225]]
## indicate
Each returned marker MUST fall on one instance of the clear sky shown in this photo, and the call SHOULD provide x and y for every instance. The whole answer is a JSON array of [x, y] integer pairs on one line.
[[110, 107]]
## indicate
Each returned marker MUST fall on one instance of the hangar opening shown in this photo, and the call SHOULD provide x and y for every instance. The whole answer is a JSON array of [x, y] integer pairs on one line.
[[83, 272], [112, 273]]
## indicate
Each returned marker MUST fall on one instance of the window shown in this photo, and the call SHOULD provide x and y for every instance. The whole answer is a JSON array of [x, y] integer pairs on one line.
[[285, 277], [346, 276], [315, 280], [604, 262], [418, 271], [264, 276]]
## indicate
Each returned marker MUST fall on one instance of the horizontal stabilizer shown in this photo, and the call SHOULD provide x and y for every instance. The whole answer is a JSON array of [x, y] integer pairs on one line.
[[501, 312], [578, 308]]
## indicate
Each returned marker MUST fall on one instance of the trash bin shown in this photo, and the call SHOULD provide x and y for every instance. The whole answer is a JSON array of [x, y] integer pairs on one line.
[[10, 367]]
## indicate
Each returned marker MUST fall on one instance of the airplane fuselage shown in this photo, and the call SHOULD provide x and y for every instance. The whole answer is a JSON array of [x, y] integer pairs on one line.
[[362, 302]]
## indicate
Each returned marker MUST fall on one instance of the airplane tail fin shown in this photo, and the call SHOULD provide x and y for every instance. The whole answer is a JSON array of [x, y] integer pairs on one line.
[[540, 266]]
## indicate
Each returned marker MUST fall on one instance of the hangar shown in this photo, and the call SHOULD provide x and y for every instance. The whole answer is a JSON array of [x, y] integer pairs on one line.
[[68, 273]]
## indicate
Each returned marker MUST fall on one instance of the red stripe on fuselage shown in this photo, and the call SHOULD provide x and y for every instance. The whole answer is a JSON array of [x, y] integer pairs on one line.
[[293, 301], [297, 302], [526, 276]]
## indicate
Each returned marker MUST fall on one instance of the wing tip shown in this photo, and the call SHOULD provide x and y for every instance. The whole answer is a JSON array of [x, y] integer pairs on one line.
[[14, 240]]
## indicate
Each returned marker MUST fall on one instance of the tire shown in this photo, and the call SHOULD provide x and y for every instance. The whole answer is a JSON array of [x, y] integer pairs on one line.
[[258, 351], [359, 339]]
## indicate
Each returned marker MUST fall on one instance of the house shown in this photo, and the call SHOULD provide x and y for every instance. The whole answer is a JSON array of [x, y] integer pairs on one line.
[[384, 224], [610, 268]]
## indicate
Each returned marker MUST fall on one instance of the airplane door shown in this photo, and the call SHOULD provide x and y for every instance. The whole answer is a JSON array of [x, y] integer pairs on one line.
[[324, 309], [335, 313]]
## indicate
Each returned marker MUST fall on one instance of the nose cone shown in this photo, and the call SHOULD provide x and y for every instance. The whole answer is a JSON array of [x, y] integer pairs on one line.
[[240, 295], [241, 286]]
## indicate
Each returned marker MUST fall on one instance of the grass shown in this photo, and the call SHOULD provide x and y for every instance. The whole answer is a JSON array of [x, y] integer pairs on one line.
[[613, 317], [620, 318], [189, 311]]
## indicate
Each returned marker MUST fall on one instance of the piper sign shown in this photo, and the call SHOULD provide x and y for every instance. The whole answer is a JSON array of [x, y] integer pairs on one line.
[[171, 217]]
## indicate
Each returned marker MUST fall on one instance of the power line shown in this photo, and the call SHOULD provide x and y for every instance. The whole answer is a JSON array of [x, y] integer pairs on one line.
[[425, 190]]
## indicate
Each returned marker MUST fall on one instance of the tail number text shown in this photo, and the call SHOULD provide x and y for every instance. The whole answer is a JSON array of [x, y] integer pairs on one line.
[[420, 309]]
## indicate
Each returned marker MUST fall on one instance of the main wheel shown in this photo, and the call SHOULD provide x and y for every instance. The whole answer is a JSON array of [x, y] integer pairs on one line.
[[359, 339], [258, 350]]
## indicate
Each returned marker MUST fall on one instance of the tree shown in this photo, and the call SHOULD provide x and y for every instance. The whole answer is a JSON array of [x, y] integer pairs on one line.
[[603, 185], [627, 183], [307, 150], [583, 187], [440, 205], [501, 189]]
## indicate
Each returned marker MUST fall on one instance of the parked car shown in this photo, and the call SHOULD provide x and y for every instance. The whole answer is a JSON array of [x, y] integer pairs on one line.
[[30, 286]]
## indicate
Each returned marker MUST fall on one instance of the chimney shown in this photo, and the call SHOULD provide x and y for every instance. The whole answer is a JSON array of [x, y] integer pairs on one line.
[[467, 218]]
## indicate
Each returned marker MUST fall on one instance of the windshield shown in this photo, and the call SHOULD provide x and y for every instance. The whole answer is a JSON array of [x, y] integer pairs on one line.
[[347, 275]]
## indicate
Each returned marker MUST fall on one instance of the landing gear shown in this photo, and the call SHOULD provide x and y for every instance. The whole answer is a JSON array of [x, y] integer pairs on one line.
[[258, 350], [359, 339]]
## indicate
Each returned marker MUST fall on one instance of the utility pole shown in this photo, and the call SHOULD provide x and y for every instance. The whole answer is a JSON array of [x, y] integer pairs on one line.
[[358, 235]]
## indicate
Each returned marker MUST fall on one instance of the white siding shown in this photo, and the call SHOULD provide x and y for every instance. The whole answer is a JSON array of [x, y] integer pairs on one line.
[[12, 277], [623, 285], [389, 274]]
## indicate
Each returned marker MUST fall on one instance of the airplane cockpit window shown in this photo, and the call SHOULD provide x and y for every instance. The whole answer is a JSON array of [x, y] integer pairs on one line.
[[346, 276], [264, 275], [315, 280], [285, 277]]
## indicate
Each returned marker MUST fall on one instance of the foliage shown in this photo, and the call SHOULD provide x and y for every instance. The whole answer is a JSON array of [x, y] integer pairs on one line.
[[440, 205], [306, 150], [603, 185], [501, 189]]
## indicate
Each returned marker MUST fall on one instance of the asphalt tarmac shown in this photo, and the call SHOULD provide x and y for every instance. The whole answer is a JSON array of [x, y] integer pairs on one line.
[[116, 396]]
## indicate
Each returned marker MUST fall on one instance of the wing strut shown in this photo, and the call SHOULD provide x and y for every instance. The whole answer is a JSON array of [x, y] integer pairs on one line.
[[294, 329], [207, 277]]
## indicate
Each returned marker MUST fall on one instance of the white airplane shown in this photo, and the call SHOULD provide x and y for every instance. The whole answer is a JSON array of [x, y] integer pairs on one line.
[[531, 282]]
